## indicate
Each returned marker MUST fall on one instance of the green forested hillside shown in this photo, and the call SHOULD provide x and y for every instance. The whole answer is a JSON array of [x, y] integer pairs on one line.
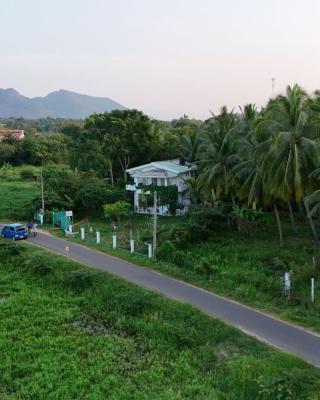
[[58, 104]]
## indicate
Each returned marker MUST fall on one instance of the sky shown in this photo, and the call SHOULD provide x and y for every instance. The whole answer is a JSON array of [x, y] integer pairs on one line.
[[165, 57]]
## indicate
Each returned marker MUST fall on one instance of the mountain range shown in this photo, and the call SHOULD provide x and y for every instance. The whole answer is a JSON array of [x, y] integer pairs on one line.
[[57, 104]]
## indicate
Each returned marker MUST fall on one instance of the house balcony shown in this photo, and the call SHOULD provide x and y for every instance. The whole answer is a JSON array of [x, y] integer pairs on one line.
[[131, 188]]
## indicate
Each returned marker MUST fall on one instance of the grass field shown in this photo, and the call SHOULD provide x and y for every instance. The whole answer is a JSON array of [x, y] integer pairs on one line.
[[17, 195], [248, 269], [69, 332]]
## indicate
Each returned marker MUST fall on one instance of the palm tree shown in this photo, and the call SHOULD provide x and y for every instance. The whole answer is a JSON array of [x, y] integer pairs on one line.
[[294, 151], [216, 156], [189, 145], [195, 192], [313, 199], [248, 171]]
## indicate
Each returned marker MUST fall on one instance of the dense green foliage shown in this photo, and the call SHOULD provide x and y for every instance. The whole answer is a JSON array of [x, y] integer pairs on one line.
[[116, 210], [71, 332], [220, 258], [19, 192], [251, 269], [266, 158], [77, 190], [249, 164], [42, 125], [35, 150]]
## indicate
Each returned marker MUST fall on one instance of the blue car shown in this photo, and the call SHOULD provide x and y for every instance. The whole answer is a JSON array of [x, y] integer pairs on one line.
[[14, 232]]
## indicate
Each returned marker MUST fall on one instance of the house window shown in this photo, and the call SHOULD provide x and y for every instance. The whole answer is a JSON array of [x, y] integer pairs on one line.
[[143, 181], [162, 181], [154, 181]]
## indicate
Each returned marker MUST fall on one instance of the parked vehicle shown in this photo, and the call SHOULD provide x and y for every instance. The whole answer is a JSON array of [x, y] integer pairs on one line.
[[14, 232]]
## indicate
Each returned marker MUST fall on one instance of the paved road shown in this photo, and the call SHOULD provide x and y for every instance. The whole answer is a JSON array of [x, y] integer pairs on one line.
[[265, 328]]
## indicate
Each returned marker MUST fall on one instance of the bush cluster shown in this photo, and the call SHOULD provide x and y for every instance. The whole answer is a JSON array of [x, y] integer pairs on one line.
[[28, 173]]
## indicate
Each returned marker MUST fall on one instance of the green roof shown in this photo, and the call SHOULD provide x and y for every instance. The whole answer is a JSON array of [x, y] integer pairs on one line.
[[169, 165]]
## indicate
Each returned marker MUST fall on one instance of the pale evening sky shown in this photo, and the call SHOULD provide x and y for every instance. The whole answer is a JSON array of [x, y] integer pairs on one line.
[[165, 57]]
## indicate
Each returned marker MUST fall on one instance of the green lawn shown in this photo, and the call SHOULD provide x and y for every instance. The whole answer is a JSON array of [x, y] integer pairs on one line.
[[17, 196], [69, 332]]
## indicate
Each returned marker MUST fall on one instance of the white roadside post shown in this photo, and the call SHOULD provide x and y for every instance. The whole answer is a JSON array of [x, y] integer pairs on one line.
[[98, 237], [154, 235], [114, 241], [67, 251], [41, 219], [82, 233], [131, 246], [287, 283], [150, 250], [312, 290]]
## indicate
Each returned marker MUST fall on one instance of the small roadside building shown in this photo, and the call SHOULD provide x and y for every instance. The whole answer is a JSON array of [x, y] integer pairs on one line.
[[17, 134], [174, 172]]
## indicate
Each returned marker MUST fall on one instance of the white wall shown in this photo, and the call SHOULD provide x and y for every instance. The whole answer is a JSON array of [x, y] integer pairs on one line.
[[178, 181]]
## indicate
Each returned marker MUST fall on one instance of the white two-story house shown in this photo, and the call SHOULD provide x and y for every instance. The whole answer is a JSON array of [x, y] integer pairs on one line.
[[162, 173]]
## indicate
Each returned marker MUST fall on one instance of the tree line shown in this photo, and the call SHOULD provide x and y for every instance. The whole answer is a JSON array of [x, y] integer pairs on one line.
[[264, 158]]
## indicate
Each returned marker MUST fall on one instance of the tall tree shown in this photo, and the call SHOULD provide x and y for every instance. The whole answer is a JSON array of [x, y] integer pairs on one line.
[[251, 147], [294, 149], [216, 158], [190, 144], [126, 137]]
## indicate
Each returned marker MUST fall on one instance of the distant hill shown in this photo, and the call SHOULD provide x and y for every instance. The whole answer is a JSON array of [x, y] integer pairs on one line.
[[58, 104]]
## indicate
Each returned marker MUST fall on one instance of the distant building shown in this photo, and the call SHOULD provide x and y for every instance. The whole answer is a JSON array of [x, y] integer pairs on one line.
[[162, 173], [17, 134]]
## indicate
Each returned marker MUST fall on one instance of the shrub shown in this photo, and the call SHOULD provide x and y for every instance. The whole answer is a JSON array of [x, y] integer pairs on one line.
[[79, 280], [302, 275], [95, 193], [145, 234], [166, 251], [290, 384], [42, 269], [38, 265], [183, 235], [129, 302], [116, 210], [9, 249], [178, 234], [276, 264], [28, 174], [204, 267], [179, 257], [245, 219], [207, 217]]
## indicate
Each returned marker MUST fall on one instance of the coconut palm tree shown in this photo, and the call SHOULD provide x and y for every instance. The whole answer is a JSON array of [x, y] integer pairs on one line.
[[190, 143], [251, 149], [216, 158], [313, 199], [294, 151]]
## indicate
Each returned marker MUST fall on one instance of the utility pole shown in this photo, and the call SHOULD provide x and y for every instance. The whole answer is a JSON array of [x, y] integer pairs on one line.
[[154, 241], [42, 194]]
